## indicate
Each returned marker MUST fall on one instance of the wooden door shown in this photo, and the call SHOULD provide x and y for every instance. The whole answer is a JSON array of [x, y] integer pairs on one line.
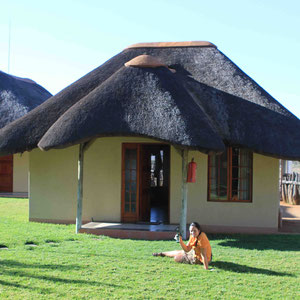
[[130, 183], [6, 174], [145, 183]]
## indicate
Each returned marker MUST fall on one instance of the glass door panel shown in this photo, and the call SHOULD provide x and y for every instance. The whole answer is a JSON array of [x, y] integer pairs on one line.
[[130, 182]]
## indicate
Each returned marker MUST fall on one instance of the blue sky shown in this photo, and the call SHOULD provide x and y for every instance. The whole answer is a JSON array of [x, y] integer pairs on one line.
[[57, 42]]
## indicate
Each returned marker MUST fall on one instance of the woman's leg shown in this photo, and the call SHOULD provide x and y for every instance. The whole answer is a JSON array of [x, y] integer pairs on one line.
[[173, 253], [179, 255]]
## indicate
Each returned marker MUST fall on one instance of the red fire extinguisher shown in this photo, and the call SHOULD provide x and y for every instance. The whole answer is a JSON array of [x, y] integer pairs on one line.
[[191, 176]]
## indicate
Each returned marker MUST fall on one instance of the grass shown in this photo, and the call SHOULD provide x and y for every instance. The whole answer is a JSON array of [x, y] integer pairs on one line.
[[46, 261]]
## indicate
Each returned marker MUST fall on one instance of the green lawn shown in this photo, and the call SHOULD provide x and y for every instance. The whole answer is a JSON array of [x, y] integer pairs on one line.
[[44, 261]]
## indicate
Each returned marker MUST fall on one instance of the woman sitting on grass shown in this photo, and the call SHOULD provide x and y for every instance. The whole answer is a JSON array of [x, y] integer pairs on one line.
[[197, 250]]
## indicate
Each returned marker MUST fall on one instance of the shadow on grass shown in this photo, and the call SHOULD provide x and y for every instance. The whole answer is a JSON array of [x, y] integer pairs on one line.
[[260, 242], [54, 279], [13, 263], [8, 268], [20, 286], [229, 266]]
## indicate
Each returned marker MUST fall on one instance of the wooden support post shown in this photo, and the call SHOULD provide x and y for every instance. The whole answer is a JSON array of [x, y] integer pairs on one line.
[[80, 188], [184, 191], [88, 144]]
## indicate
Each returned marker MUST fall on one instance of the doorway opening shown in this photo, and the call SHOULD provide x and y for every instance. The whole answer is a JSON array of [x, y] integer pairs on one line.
[[145, 183], [154, 184]]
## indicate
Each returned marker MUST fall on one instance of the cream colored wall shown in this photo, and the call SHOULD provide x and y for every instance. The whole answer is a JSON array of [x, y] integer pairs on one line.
[[262, 212], [20, 172], [53, 184], [102, 181], [196, 191], [53, 191], [102, 178], [53, 177]]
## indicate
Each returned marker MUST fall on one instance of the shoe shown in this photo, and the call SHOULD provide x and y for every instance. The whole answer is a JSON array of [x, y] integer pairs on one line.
[[158, 254]]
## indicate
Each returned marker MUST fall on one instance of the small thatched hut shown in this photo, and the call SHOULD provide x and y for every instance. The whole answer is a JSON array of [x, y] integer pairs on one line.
[[18, 96], [136, 121]]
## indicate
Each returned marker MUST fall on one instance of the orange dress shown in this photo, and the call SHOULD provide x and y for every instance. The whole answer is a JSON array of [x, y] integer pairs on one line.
[[203, 242]]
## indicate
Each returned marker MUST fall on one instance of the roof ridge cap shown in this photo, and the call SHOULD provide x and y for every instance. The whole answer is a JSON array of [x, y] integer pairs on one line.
[[172, 44]]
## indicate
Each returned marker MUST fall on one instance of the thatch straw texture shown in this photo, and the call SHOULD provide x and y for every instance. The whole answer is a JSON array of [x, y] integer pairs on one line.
[[18, 96], [206, 104], [136, 101]]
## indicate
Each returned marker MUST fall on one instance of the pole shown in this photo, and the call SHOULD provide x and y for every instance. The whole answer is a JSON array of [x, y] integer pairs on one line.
[[79, 188], [184, 190]]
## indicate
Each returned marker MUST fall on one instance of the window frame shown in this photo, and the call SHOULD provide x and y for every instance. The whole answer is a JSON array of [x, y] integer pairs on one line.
[[229, 178]]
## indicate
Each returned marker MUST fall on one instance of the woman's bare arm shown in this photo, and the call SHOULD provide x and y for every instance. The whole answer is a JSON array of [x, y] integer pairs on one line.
[[204, 258], [185, 247]]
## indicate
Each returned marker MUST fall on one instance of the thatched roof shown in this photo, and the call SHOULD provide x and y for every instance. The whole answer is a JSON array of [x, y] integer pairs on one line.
[[18, 96], [135, 101], [188, 94]]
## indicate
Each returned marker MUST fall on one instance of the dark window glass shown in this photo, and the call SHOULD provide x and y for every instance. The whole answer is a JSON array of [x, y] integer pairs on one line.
[[218, 177], [230, 176]]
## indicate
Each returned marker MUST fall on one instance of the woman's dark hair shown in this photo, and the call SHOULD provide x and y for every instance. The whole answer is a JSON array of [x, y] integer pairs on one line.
[[197, 225]]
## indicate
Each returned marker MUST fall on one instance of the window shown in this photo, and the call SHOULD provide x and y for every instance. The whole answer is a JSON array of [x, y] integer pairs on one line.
[[230, 176]]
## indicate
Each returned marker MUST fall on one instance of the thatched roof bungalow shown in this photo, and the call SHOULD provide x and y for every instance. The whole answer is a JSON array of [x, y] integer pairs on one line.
[[18, 96], [138, 119]]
